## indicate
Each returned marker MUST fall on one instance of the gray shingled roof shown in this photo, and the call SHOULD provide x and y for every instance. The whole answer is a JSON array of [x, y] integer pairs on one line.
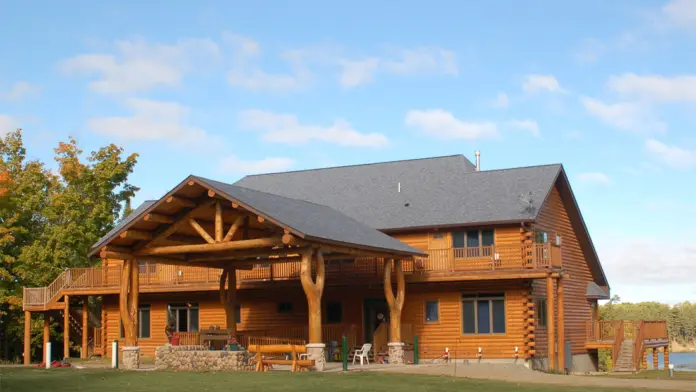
[[433, 192], [312, 220], [596, 292]]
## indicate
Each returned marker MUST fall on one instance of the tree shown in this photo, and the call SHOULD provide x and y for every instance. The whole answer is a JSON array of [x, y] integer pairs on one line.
[[49, 221]]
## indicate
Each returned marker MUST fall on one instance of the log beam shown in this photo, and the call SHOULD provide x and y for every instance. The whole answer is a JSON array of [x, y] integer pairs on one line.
[[203, 248], [159, 218], [27, 337], [313, 289], [181, 221], [218, 221], [201, 231], [233, 229], [396, 303], [136, 235], [85, 328], [551, 330], [228, 298]]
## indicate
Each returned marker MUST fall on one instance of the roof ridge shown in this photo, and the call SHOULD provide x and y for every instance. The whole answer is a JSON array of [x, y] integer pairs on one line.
[[515, 168], [362, 164]]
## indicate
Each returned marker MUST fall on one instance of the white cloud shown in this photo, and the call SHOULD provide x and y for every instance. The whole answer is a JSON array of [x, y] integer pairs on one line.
[[243, 46], [286, 128], [538, 83], [140, 66], [151, 121], [233, 164], [422, 60], [444, 125], [595, 178], [7, 124], [358, 72], [673, 156], [628, 116], [530, 126], [255, 79], [655, 87], [501, 101], [680, 14], [19, 90]]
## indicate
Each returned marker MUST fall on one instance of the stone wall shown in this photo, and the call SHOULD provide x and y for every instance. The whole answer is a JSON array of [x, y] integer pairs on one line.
[[199, 358]]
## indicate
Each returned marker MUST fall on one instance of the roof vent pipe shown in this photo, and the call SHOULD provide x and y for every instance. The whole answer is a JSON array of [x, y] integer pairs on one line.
[[478, 160]]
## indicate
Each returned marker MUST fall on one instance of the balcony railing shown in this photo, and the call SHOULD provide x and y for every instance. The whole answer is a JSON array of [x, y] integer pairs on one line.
[[613, 330], [450, 260]]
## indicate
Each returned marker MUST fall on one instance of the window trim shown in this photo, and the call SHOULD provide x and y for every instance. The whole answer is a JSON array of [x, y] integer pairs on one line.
[[541, 307], [187, 307], [486, 296], [425, 311]]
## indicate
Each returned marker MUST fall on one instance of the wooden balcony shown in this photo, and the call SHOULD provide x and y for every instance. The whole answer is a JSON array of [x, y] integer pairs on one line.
[[491, 262], [604, 334]]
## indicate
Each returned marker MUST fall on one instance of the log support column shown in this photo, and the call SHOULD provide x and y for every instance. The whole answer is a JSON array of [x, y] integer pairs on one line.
[[396, 304], [228, 298], [128, 304], [66, 328], [85, 328], [644, 363], [656, 363], [27, 338], [666, 360], [46, 334], [561, 325], [551, 323], [313, 290]]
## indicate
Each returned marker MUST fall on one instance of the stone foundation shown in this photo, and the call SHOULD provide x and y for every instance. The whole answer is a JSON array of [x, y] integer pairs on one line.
[[199, 358], [131, 357], [396, 353], [315, 351]]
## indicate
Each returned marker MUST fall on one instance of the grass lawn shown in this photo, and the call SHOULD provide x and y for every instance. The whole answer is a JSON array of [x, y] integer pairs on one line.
[[657, 375], [58, 380]]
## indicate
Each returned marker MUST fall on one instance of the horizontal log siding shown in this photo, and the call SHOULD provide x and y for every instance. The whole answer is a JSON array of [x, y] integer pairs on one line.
[[553, 218]]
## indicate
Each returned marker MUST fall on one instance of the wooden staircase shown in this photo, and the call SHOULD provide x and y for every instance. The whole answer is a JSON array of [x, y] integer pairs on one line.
[[625, 358]]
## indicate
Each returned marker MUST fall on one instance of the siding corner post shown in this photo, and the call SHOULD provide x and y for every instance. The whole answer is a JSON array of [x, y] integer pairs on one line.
[[561, 324], [551, 324]]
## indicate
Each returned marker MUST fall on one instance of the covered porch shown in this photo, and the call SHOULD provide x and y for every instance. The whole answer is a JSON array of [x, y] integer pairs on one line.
[[227, 231]]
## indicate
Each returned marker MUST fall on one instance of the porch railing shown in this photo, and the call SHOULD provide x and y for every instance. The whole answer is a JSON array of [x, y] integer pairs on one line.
[[610, 330], [448, 260]]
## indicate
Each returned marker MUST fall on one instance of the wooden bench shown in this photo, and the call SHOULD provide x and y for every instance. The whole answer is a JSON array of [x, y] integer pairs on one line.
[[262, 364], [212, 336]]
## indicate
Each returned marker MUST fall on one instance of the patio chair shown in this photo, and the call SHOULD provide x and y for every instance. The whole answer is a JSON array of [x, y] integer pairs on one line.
[[363, 353]]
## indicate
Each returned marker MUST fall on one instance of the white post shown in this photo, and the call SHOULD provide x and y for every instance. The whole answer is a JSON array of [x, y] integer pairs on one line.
[[48, 355], [114, 354]]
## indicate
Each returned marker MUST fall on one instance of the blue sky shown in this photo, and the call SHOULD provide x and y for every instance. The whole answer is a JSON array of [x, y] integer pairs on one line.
[[221, 89]]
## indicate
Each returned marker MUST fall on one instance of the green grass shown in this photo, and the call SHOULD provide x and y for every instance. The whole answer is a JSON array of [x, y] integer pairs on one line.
[[58, 380], [656, 375]]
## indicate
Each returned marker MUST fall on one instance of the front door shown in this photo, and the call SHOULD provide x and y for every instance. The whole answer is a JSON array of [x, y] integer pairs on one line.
[[376, 312]]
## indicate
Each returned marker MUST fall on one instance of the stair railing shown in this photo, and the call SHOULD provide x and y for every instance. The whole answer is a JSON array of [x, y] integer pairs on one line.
[[638, 343], [618, 341]]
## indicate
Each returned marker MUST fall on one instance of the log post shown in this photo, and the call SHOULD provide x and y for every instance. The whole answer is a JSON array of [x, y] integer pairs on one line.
[[314, 289], [396, 304], [123, 300], [128, 304], [644, 363], [46, 333], [85, 328], [27, 338], [666, 359], [551, 330], [656, 361], [228, 298], [561, 324], [218, 221], [133, 302], [66, 328]]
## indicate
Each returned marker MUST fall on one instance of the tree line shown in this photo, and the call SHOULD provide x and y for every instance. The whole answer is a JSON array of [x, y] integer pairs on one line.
[[50, 216]]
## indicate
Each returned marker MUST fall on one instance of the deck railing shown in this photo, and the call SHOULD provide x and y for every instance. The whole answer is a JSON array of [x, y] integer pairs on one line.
[[367, 269], [609, 330]]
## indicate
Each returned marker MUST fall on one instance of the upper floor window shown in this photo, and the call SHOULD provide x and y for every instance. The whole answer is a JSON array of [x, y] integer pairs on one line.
[[541, 237], [473, 238]]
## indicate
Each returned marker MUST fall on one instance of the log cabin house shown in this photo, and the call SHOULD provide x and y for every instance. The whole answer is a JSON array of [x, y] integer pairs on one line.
[[493, 265]]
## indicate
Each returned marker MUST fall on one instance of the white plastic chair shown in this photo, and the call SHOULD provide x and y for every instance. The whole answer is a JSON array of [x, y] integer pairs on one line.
[[363, 353]]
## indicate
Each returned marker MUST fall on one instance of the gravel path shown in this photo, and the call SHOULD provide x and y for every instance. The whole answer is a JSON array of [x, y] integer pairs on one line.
[[516, 373]]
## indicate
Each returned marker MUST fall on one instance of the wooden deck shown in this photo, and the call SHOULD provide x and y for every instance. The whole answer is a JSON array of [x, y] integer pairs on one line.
[[441, 265], [639, 333]]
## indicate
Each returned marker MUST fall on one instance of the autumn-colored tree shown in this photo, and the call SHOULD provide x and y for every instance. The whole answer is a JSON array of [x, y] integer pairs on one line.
[[49, 220]]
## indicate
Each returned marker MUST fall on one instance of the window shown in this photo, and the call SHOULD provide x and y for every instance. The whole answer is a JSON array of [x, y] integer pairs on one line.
[[438, 235], [472, 241], [238, 314], [284, 307], [483, 313], [432, 311], [143, 323], [183, 317], [334, 312], [542, 318], [541, 237]]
